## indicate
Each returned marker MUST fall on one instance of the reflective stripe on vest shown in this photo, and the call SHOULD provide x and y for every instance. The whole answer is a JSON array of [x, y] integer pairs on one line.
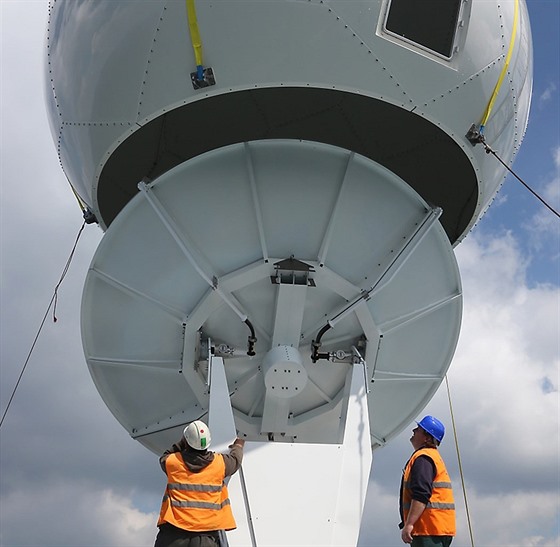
[[438, 519], [435, 505], [200, 504], [196, 501], [194, 487], [435, 484]]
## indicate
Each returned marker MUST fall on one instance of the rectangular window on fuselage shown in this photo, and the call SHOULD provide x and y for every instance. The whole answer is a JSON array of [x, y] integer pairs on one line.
[[428, 23]]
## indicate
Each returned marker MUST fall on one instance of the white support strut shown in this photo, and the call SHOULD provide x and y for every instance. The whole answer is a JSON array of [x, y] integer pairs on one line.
[[306, 494], [222, 427]]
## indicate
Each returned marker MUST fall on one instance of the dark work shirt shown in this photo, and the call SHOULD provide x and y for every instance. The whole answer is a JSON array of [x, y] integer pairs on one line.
[[422, 477]]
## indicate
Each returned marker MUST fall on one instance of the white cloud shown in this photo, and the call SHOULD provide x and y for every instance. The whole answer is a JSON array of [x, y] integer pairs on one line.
[[547, 94], [523, 519], [556, 157], [126, 525], [552, 191], [74, 513], [552, 187], [508, 347], [544, 227]]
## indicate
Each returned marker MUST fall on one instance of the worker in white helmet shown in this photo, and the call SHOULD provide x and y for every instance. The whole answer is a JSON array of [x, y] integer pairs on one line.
[[196, 511]]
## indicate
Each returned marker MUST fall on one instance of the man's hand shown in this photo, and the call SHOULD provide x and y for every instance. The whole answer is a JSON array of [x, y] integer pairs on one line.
[[406, 533], [416, 510], [238, 442]]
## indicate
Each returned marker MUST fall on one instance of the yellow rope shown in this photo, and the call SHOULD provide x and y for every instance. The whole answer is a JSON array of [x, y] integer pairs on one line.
[[504, 68], [459, 460], [81, 203], [195, 34]]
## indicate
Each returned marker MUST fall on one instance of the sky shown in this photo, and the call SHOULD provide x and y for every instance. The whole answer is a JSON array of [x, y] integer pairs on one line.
[[71, 476]]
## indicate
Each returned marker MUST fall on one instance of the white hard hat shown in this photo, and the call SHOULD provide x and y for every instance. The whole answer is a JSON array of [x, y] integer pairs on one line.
[[197, 435]]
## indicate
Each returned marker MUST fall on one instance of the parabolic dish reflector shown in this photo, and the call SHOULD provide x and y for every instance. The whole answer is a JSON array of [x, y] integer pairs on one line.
[[299, 238]]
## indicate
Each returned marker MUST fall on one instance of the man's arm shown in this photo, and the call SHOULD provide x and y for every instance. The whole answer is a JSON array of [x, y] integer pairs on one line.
[[235, 457], [177, 447], [416, 509]]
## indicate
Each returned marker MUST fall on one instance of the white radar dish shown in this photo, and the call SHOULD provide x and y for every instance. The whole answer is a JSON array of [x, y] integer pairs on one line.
[[321, 255]]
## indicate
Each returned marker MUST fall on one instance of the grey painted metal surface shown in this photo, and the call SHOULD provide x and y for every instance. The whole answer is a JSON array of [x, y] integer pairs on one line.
[[323, 71]]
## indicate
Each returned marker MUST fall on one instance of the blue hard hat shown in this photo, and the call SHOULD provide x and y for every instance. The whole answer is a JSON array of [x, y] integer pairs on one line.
[[432, 426]]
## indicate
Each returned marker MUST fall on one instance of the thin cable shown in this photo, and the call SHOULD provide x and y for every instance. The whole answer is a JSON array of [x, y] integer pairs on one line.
[[459, 460], [65, 270], [53, 299], [494, 153]]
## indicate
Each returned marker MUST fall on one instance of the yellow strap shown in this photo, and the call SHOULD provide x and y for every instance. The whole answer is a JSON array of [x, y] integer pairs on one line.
[[505, 67], [81, 203], [195, 34]]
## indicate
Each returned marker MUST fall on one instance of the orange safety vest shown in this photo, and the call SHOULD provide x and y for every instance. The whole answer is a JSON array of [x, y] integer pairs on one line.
[[438, 519], [197, 502]]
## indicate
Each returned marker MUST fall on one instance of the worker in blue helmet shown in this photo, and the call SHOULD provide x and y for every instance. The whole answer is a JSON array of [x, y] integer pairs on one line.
[[427, 506]]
